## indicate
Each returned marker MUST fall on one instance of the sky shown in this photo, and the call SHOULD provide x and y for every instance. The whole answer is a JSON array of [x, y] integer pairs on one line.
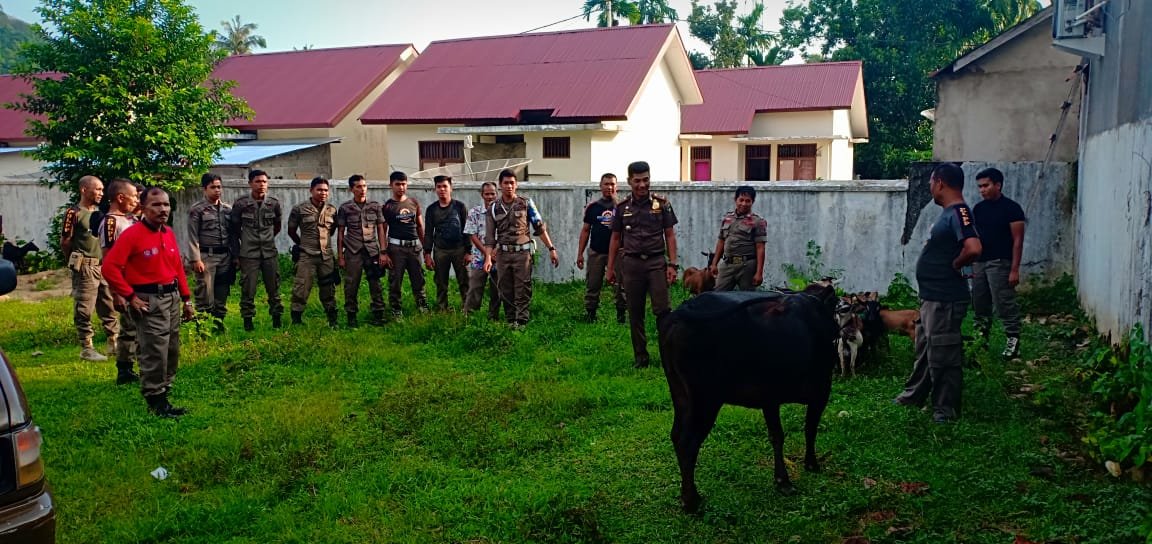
[[286, 24]]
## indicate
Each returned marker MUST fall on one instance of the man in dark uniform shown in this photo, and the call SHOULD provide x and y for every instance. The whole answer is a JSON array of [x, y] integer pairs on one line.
[[509, 247], [255, 221], [644, 240], [310, 226], [89, 290], [444, 221], [146, 269], [996, 273], [358, 235], [598, 229], [739, 259], [952, 245], [404, 230], [209, 249], [122, 203]]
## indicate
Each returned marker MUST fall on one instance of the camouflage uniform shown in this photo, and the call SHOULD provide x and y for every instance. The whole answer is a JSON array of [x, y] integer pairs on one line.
[[316, 261], [208, 228], [89, 290], [254, 229]]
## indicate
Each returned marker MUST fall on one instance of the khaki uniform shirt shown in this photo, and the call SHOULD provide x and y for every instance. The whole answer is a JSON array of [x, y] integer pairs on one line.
[[316, 226], [507, 224], [741, 233], [360, 222], [254, 227], [79, 228], [208, 226], [641, 224]]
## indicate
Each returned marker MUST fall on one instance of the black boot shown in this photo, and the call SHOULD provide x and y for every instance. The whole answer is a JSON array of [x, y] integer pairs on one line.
[[124, 374], [159, 406], [621, 315], [277, 322], [590, 316], [297, 318], [248, 326], [378, 317], [352, 321], [332, 322]]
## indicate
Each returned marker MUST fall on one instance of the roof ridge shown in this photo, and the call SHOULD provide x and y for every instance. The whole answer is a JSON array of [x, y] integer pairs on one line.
[[569, 31], [775, 66], [321, 50]]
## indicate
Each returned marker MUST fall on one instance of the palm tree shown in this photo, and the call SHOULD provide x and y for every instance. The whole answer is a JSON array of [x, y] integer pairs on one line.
[[655, 12], [620, 8], [1006, 13], [238, 37], [760, 47]]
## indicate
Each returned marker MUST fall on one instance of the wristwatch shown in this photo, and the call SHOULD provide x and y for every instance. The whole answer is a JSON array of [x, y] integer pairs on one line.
[[553, 248]]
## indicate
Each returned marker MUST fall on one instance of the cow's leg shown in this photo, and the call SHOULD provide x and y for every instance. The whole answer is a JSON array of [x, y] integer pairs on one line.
[[854, 349], [811, 426], [695, 424], [776, 434], [840, 352]]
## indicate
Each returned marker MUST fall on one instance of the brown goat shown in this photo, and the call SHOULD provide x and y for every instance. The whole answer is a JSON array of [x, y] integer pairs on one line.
[[699, 280], [901, 321]]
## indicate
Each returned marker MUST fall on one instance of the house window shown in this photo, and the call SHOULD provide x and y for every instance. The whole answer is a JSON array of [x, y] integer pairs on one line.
[[702, 163], [440, 153], [757, 162], [796, 162], [557, 147]]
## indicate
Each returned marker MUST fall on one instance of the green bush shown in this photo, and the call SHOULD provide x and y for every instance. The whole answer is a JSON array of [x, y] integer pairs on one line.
[[901, 295], [1121, 424], [800, 276]]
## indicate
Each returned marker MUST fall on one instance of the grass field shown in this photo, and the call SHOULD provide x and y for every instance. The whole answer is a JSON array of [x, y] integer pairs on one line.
[[443, 429]]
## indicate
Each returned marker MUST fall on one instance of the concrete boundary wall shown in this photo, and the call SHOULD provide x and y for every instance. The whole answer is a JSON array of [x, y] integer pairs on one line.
[[858, 224]]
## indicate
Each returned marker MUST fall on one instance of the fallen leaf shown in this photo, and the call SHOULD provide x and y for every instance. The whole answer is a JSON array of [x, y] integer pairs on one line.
[[894, 530], [914, 488], [880, 516], [856, 540], [869, 483], [1044, 439], [1042, 321], [1113, 468], [1021, 540]]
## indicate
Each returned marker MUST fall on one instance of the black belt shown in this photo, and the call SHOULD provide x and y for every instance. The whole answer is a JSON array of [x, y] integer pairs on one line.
[[156, 288], [218, 250], [737, 259], [644, 256]]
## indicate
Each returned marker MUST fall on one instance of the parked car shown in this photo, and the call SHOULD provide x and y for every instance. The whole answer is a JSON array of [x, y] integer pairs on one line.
[[27, 512]]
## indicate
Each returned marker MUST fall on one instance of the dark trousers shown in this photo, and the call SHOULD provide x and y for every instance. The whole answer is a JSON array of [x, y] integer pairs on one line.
[[252, 271], [158, 334], [990, 290], [644, 277], [444, 260], [310, 269], [514, 278], [354, 264], [212, 285], [939, 367], [476, 281], [405, 259], [126, 343], [597, 267]]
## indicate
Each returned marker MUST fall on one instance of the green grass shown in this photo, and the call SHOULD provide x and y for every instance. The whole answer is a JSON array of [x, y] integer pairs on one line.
[[444, 429]]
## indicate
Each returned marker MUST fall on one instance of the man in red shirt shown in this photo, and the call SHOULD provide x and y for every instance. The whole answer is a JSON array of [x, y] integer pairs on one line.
[[146, 269]]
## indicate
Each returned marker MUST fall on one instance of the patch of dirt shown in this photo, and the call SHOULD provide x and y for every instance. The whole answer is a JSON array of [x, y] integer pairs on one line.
[[42, 285]]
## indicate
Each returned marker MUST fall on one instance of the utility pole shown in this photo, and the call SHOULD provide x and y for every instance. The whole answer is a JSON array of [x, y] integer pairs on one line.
[[608, 10]]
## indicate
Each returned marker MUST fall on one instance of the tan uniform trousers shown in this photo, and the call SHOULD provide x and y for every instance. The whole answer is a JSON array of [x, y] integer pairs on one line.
[[212, 288], [251, 273], [353, 269], [90, 291], [158, 334], [476, 281], [514, 281], [126, 343], [733, 276], [311, 268], [644, 277], [597, 267]]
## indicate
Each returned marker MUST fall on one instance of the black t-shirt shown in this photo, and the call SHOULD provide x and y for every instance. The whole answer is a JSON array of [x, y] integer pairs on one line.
[[938, 281], [401, 218], [993, 219], [599, 215], [445, 224]]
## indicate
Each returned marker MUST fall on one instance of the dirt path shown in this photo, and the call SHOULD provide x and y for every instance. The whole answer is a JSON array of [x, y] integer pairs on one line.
[[41, 285]]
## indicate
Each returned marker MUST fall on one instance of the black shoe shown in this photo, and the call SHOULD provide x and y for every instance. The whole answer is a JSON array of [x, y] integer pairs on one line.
[[277, 322], [332, 321], [377, 318], [352, 321], [159, 406], [621, 316], [248, 326], [642, 361], [125, 377], [297, 318], [590, 316]]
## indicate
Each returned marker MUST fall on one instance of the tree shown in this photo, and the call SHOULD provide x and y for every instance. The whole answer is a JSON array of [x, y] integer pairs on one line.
[[133, 96], [900, 43], [735, 41], [13, 32], [238, 38], [653, 12], [620, 8]]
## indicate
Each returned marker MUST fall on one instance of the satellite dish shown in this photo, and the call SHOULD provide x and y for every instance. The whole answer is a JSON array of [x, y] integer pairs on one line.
[[472, 171]]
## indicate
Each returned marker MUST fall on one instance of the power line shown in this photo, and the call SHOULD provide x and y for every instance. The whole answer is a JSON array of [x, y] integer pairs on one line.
[[578, 15]]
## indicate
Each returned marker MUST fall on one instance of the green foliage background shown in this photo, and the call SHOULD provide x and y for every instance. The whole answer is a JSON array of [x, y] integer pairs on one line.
[[13, 33]]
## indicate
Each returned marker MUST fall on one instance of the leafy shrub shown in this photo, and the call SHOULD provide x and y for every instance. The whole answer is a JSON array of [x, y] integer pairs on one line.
[[901, 294], [800, 276], [1050, 297], [1121, 377]]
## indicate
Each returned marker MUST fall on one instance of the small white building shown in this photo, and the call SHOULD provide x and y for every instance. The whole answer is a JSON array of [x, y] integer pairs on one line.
[[775, 123], [577, 103]]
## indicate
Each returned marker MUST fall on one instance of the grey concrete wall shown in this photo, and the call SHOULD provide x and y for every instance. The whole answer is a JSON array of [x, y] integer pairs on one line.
[[1006, 105], [27, 207], [1120, 83], [304, 164]]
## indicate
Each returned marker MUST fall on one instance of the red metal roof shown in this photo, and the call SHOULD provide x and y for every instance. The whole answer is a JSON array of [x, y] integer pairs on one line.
[[12, 122], [307, 89], [732, 97], [579, 75]]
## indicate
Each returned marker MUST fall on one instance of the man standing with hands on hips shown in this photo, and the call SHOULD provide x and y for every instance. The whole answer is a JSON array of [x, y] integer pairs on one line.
[[146, 269], [643, 236]]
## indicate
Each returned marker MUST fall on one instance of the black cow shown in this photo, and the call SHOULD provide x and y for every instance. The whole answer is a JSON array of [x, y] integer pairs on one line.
[[752, 349]]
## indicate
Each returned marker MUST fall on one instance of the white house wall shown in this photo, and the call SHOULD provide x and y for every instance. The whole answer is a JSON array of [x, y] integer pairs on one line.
[[792, 124], [404, 147], [650, 134], [575, 168]]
